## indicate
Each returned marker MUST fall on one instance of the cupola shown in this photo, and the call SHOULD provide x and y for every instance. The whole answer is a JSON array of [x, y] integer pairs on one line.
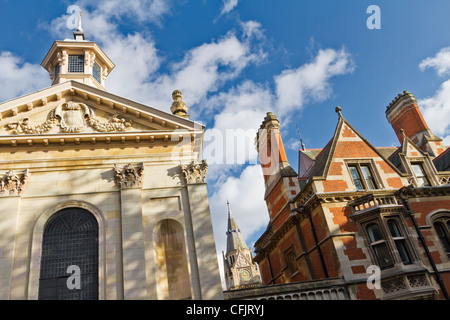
[[77, 59]]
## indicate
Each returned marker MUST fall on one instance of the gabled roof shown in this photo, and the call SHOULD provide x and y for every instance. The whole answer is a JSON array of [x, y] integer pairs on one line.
[[324, 158], [442, 162], [31, 109]]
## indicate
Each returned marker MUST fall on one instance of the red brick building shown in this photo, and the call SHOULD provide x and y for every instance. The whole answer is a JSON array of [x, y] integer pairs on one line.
[[352, 206]]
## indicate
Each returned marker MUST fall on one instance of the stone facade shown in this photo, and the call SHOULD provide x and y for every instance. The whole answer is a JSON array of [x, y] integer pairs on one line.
[[76, 146]]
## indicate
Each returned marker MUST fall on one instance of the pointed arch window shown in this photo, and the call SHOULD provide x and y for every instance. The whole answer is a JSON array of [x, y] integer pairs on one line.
[[70, 238]]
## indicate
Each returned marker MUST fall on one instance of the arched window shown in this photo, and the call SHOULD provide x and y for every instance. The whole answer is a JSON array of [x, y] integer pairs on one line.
[[173, 280], [442, 228], [379, 246], [70, 238]]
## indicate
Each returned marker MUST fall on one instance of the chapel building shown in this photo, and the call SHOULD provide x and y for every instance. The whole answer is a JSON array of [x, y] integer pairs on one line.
[[101, 191], [354, 209]]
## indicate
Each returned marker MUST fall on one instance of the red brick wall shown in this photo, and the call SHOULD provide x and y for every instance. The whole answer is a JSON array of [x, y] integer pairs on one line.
[[410, 120]]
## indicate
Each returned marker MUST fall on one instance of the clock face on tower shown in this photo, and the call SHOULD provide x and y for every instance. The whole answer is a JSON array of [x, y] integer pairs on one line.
[[244, 275]]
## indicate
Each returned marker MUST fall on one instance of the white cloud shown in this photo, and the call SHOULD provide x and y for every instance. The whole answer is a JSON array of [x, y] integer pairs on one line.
[[440, 62], [18, 78], [310, 82], [228, 5], [436, 108], [436, 111]]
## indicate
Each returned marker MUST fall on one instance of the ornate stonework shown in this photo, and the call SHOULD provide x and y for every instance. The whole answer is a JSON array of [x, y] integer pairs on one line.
[[12, 183], [195, 172], [129, 175], [72, 117]]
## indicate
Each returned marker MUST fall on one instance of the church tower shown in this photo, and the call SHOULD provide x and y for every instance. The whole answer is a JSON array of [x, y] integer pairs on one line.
[[239, 268]]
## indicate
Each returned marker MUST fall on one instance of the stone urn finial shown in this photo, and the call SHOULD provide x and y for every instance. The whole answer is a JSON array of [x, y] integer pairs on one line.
[[178, 107]]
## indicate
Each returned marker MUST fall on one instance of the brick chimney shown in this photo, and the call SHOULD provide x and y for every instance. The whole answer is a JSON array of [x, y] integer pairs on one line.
[[404, 113], [280, 179]]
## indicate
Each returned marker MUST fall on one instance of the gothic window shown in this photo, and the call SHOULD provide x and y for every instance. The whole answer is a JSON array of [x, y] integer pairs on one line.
[[97, 72], [442, 227], [400, 241], [419, 173], [76, 63], [171, 261], [379, 246], [70, 238], [389, 241], [362, 176], [289, 256]]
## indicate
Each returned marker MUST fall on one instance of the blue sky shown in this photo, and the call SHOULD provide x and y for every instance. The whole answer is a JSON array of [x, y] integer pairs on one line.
[[235, 60]]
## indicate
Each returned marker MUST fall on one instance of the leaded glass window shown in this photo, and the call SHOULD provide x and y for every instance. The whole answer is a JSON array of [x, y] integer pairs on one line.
[[70, 238], [76, 63], [97, 72]]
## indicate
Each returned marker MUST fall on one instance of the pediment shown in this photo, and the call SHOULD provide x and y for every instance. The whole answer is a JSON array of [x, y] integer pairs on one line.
[[73, 109]]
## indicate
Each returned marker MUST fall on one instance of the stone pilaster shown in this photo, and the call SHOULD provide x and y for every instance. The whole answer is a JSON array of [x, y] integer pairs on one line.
[[205, 248]]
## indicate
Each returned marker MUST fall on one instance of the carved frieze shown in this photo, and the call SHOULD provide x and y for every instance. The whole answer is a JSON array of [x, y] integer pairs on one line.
[[71, 117], [195, 172], [12, 183], [129, 176]]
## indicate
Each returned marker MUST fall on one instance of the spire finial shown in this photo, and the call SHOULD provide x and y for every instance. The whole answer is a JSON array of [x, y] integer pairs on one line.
[[79, 22], [301, 140], [338, 111]]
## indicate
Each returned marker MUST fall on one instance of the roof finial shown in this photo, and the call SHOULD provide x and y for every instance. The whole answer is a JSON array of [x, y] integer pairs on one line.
[[79, 33], [301, 140], [179, 107], [79, 22], [338, 111]]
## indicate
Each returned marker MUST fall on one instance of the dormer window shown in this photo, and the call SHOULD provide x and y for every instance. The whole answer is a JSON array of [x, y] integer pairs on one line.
[[362, 177], [76, 64], [421, 177], [97, 72]]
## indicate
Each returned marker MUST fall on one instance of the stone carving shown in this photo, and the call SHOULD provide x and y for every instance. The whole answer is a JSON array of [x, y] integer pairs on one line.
[[195, 172], [13, 183], [22, 127], [129, 175], [71, 117], [115, 124]]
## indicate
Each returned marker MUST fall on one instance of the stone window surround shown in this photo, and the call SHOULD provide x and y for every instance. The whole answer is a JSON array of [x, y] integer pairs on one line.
[[372, 167], [36, 245], [381, 218]]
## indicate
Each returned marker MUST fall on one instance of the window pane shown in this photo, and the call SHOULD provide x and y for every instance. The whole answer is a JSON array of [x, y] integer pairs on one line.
[[401, 247], [393, 229], [76, 63], [420, 174], [368, 177], [383, 256], [96, 72], [374, 233], [443, 236], [356, 178]]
